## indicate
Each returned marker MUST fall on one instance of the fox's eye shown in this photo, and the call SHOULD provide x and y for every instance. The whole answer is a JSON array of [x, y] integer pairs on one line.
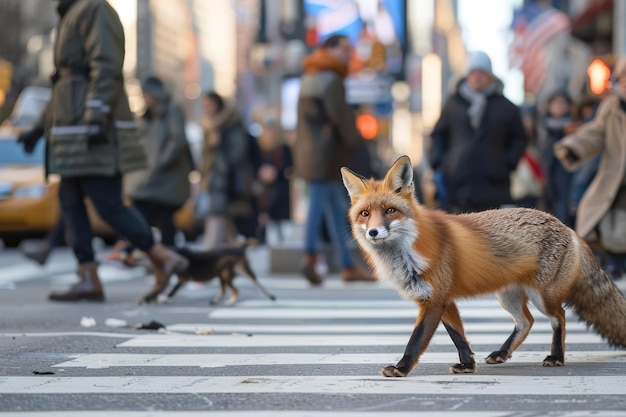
[[364, 213], [390, 210]]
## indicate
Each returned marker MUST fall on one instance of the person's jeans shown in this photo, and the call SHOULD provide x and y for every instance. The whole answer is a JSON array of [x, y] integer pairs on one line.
[[328, 199], [106, 195]]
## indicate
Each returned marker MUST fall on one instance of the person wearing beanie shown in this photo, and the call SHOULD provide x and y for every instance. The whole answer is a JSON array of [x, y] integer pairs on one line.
[[325, 135], [601, 214], [477, 141]]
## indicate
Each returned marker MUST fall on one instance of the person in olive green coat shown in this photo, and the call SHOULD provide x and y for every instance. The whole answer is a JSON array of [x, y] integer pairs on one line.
[[92, 141]]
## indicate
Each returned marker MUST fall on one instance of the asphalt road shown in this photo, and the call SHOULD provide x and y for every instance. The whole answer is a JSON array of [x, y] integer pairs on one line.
[[313, 352]]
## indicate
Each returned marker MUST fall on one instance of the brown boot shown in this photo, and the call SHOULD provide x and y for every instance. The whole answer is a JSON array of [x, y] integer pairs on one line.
[[355, 274], [88, 288], [310, 260], [165, 263]]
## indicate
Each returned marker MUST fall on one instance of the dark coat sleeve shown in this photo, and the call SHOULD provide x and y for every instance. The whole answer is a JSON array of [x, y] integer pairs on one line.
[[440, 137], [176, 142], [340, 113], [518, 140]]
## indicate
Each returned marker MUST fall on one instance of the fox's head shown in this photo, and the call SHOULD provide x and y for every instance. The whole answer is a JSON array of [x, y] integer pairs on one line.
[[383, 212]]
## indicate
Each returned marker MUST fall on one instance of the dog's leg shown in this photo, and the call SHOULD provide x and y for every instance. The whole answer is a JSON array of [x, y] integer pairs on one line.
[[221, 294], [245, 265], [179, 284], [229, 276]]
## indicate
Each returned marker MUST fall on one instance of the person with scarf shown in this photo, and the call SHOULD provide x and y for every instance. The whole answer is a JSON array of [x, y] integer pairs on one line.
[[325, 135], [601, 215], [228, 184], [477, 141]]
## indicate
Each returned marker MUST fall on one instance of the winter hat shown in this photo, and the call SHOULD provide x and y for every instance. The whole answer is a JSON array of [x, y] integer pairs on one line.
[[479, 60]]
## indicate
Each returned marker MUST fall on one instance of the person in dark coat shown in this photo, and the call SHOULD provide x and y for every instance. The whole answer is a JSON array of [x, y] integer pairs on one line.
[[477, 141], [276, 164], [325, 135], [92, 141], [162, 189], [552, 128], [228, 174]]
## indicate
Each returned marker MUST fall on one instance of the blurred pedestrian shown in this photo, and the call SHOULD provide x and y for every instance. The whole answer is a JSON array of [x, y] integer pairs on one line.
[[601, 216], [159, 191], [38, 250], [552, 128], [227, 197], [477, 141], [276, 166], [325, 133], [92, 141]]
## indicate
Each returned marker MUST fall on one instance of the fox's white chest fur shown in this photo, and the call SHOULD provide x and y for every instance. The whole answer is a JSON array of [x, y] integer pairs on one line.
[[396, 260]]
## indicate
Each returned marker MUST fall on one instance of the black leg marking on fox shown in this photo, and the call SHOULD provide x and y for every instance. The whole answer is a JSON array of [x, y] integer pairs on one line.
[[466, 356], [427, 322], [451, 320], [502, 355], [557, 356]]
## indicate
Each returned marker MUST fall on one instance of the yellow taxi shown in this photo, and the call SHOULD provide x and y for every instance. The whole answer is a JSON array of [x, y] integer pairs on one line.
[[29, 205]]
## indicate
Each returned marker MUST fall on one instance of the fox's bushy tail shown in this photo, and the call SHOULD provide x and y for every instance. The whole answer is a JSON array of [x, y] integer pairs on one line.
[[600, 304]]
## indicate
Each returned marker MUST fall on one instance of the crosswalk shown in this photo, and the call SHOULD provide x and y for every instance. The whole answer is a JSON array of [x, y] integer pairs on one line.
[[317, 353]]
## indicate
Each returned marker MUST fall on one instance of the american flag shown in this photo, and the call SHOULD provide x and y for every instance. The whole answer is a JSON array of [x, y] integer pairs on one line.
[[534, 26]]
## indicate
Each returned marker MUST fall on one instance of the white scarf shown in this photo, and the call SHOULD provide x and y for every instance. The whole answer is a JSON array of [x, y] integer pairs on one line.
[[478, 101]]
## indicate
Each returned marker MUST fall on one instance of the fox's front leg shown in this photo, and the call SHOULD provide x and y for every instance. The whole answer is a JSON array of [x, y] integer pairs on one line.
[[452, 322], [425, 326]]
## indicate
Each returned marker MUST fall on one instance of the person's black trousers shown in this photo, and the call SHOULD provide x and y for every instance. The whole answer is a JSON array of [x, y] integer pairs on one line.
[[106, 195]]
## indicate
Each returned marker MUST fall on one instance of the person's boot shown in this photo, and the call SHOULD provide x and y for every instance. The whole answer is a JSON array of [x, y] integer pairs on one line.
[[355, 274], [165, 263], [36, 250], [309, 271], [88, 288]]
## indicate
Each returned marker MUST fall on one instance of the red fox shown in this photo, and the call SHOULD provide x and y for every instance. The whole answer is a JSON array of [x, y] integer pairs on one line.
[[520, 254]]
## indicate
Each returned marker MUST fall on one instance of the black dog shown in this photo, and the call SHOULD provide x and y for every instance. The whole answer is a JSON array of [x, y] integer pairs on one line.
[[204, 265]]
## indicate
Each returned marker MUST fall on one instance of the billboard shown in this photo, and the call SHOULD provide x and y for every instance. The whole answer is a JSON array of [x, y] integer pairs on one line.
[[376, 28]]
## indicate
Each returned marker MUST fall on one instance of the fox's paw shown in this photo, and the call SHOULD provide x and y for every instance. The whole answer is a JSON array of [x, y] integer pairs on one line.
[[553, 361], [463, 368], [392, 371], [498, 356]]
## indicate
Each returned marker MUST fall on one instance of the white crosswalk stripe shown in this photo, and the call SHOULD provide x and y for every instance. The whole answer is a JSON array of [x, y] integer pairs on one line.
[[336, 346]]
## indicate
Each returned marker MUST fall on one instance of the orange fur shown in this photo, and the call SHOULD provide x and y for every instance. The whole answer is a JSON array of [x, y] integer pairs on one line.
[[436, 258]]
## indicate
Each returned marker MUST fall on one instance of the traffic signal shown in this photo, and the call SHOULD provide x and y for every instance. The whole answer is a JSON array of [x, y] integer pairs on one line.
[[599, 75], [367, 125]]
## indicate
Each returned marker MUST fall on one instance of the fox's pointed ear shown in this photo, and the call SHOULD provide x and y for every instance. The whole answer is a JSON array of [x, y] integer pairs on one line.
[[354, 183], [400, 175]]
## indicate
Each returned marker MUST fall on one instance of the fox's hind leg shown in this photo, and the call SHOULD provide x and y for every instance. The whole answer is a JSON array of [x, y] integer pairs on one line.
[[513, 300], [453, 324], [554, 311]]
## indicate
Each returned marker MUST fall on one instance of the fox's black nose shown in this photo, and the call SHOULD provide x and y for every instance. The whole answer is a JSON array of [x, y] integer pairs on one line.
[[373, 232]]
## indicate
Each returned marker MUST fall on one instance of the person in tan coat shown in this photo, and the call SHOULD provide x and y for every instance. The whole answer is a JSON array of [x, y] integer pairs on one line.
[[601, 214]]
